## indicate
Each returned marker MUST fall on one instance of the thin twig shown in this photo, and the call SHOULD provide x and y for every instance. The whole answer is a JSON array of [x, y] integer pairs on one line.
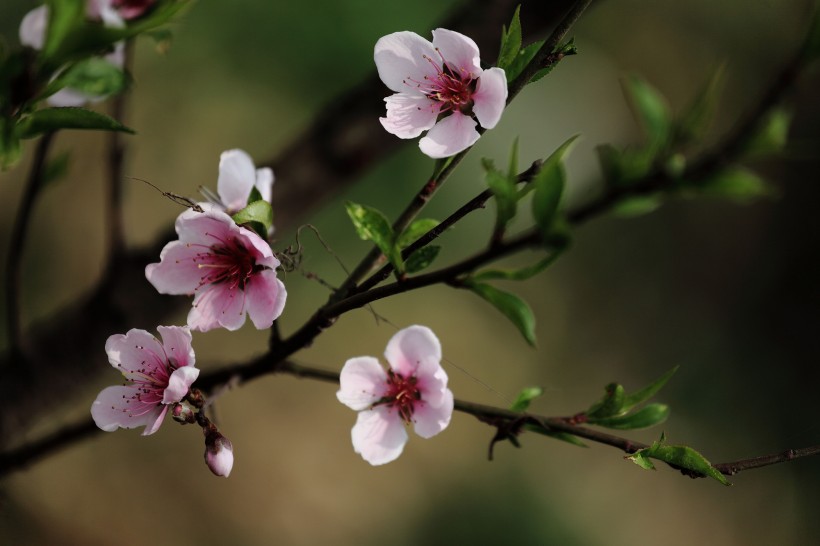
[[17, 245]]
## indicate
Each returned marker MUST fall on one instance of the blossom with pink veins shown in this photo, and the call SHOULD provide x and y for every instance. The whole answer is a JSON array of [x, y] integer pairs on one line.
[[440, 88], [413, 390], [238, 176], [157, 375], [230, 270]]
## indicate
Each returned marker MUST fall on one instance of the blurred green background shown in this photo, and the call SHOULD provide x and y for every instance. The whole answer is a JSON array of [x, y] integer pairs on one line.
[[727, 292]]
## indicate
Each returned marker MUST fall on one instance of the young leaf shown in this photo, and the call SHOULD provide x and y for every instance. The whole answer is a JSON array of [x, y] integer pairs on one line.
[[64, 18], [680, 456], [255, 196], [513, 307], [258, 212], [735, 183], [416, 230], [510, 41], [372, 225], [632, 400], [421, 258], [51, 119], [695, 120], [771, 135], [637, 206], [649, 416], [527, 395], [611, 404], [506, 197], [522, 59], [650, 108], [95, 76], [516, 274], [10, 148]]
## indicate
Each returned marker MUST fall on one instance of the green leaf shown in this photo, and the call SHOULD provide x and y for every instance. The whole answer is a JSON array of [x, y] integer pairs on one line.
[[421, 258], [254, 196], [506, 197], [259, 215], [771, 135], [679, 456], [563, 436], [696, 119], [735, 183], [632, 400], [649, 416], [52, 119], [10, 148], [522, 59], [637, 206], [55, 169], [372, 225], [611, 404], [527, 395], [549, 187], [94, 76], [620, 167], [415, 230], [510, 41], [650, 108], [512, 169], [516, 274], [513, 307], [65, 17]]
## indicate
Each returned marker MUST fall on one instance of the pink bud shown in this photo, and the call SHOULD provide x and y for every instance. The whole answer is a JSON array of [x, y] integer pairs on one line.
[[218, 454]]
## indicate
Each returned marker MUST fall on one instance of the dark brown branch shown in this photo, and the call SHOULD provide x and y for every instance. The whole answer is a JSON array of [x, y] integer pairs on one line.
[[17, 245]]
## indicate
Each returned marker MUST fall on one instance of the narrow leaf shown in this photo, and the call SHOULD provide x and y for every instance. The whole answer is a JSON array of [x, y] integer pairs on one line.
[[680, 456], [421, 258], [527, 395], [611, 404], [516, 274], [771, 135], [637, 206], [737, 183], [95, 77], [696, 119], [549, 187], [506, 197], [649, 416], [649, 391], [510, 41], [513, 307], [416, 230], [64, 17], [52, 119], [522, 59], [650, 108]]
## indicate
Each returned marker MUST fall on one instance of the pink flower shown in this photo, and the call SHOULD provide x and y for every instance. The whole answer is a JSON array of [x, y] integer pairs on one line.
[[237, 178], [230, 270], [218, 453], [414, 390], [158, 376], [440, 88], [32, 34], [114, 12]]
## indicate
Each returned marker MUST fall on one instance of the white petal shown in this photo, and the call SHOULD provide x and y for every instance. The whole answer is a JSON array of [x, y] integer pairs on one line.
[[379, 435], [134, 351], [33, 27], [459, 52], [361, 383], [429, 420], [265, 298], [409, 115], [431, 380], [451, 135], [403, 56], [179, 384], [409, 347], [110, 410], [264, 182], [490, 97], [237, 176], [67, 97]]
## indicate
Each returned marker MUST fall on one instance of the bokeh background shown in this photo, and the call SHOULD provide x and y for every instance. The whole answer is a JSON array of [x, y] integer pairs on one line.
[[727, 292]]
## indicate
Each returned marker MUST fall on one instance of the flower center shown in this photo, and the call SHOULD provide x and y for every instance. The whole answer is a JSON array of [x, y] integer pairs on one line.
[[148, 384], [230, 262], [452, 88], [402, 394]]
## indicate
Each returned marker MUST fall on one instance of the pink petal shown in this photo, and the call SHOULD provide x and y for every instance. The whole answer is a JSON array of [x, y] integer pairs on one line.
[[178, 271], [134, 351], [490, 97], [176, 340], [237, 176], [409, 115], [205, 228], [410, 347], [431, 380], [217, 305], [451, 135], [400, 57], [429, 419], [179, 384], [361, 383], [33, 27], [260, 249], [378, 435], [459, 52], [110, 411], [264, 182], [155, 420], [266, 297]]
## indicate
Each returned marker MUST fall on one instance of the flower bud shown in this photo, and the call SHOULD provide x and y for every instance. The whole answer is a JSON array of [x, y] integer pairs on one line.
[[183, 413], [218, 453]]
